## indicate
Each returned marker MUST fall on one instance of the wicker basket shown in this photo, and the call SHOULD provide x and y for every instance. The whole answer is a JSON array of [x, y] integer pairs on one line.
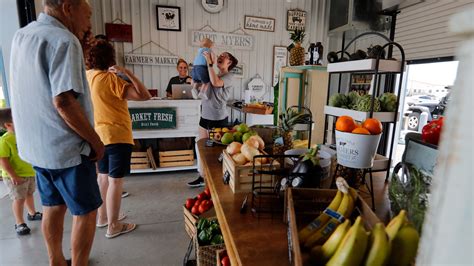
[[206, 255]]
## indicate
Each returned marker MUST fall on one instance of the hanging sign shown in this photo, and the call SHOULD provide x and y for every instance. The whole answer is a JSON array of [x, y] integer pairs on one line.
[[153, 118], [150, 59], [295, 20], [223, 40], [259, 23], [119, 32]]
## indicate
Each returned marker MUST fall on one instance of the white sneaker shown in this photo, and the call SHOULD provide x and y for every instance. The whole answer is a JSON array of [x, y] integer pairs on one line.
[[202, 95], [195, 92]]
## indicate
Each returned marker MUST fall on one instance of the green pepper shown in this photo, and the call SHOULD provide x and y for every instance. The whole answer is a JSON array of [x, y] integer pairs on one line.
[[214, 229], [217, 239], [204, 238], [203, 223]]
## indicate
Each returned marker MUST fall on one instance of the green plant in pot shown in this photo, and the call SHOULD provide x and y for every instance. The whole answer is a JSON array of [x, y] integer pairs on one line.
[[297, 53], [288, 120]]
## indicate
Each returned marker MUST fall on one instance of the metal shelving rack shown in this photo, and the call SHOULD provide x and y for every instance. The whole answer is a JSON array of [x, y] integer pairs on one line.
[[376, 67]]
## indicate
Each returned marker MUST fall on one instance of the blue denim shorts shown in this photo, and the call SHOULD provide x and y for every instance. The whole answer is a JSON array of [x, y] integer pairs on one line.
[[116, 160], [200, 74], [74, 186]]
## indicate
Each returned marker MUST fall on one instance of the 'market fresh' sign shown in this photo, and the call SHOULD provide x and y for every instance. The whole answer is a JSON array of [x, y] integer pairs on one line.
[[153, 118]]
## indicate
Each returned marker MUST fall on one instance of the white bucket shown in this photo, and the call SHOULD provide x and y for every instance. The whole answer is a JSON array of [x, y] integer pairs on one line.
[[356, 150]]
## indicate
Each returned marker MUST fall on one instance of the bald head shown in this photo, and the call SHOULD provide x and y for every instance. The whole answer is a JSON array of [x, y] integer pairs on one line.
[[73, 14], [58, 3]]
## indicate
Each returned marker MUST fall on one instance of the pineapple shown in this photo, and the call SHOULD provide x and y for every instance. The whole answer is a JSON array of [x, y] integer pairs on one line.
[[297, 53], [288, 120]]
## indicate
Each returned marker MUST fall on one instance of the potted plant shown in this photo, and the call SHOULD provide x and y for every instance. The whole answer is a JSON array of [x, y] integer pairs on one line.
[[297, 53]]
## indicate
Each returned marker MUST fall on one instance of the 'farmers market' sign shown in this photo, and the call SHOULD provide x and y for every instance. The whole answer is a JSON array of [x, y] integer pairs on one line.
[[150, 59], [153, 118]]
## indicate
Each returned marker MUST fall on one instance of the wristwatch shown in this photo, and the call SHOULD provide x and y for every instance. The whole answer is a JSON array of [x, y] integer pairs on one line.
[[210, 65]]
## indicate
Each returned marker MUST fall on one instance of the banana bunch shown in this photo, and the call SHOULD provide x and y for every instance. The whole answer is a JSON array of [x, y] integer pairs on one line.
[[351, 245], [340, 208]]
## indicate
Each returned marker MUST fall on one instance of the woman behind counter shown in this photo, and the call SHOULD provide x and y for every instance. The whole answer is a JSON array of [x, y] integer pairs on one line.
[[112, 122], [182, 77]]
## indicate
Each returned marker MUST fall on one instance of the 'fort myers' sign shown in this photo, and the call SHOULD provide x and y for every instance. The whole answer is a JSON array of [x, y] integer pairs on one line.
[[153, 118]]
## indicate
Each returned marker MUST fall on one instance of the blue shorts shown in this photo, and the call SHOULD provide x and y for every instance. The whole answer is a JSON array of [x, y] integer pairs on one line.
[[74, 186], [200, 74], [116, 160]]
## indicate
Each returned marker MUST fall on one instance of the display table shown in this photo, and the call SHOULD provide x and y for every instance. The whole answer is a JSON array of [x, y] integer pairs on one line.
[[188, 113], [249, 241]]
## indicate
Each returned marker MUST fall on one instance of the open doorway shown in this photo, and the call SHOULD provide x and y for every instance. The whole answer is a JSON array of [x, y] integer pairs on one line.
[[426, 93]]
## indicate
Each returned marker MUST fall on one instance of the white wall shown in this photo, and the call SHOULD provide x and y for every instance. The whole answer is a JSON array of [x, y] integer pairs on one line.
[[142, 15], [9, 23]]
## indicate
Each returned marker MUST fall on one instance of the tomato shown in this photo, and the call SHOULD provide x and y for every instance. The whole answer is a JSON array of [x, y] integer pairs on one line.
[[202, 196], [190, 203], [205, 206], [208, 192], [225, 261], [432, 131], [195, 210], [197, 202]]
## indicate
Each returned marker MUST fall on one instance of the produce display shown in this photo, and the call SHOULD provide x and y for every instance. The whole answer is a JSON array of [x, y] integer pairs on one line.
[[201, 203], [209, 232], [243, 154], [370, 126], [387, 102], [306, 173], [332, 240], [239, 133], [431, 132]]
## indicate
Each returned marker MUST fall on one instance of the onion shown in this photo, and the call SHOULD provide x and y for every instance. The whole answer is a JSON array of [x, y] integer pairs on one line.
[[252, 142], [261, 143], [249, 152], [239, 159], [233, 148]]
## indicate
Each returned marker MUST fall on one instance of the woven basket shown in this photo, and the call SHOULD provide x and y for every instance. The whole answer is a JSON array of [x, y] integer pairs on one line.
[[206, 255]]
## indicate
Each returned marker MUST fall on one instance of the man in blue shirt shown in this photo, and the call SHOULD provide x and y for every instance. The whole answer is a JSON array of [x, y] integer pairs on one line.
[[52, 113]]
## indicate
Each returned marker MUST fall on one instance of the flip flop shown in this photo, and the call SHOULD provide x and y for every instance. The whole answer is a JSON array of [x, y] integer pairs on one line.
[[121, 217], [125, 229]]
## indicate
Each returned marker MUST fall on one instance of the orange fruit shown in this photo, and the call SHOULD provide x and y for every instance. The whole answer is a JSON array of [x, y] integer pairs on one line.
[[358, 124], [361, 130], [345, 124], [373, 126]]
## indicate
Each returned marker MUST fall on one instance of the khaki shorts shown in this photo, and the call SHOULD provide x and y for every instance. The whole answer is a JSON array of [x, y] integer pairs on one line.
[[21, 191]]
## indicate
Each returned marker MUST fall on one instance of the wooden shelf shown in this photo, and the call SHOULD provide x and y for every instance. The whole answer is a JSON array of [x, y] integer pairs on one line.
[[365, 66], [165, 169], [388, 117]]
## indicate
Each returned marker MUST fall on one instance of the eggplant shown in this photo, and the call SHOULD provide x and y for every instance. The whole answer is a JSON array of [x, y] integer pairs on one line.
[[307, 171]]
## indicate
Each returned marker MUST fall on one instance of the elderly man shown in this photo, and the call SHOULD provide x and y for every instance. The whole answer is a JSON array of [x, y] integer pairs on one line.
[[53, 119]]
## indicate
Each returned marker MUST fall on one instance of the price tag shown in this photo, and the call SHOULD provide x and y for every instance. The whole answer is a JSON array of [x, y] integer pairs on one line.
[[221, 157], [226, 177]]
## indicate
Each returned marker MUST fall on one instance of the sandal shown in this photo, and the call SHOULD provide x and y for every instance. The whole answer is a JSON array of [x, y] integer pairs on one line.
[[121, 217], [22, 229], [38, 216], [126, 228]]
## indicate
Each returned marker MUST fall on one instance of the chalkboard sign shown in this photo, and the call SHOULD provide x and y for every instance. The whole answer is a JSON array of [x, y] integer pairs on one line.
[[153, 118]]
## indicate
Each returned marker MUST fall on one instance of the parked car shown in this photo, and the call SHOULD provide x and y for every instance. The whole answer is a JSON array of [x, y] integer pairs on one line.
[[434, 109], [421, 100]]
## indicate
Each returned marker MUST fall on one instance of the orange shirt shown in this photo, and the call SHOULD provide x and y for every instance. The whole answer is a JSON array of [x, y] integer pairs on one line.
[[111, 117]]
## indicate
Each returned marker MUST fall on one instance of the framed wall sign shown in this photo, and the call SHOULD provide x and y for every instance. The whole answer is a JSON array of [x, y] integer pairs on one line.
[[238, 71], [296, 20], [168, 18], [212, 6], [259, 23], [280, 57], [119, 32]]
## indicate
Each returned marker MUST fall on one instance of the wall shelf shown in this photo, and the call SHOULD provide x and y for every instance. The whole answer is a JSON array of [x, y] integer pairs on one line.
[[365, 66], [388, 117]]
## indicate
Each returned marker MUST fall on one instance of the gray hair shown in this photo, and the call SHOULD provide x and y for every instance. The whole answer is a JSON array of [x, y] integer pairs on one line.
[[57, 3]]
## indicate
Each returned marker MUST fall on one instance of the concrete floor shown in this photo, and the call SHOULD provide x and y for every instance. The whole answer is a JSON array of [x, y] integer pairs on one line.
[[154, 204]]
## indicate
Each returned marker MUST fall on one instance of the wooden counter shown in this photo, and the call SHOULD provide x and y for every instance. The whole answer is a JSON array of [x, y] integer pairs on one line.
[[249, 240]]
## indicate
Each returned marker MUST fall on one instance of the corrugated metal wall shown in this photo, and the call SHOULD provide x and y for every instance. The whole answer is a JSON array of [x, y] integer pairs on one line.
[[142, 15], [422, 29]]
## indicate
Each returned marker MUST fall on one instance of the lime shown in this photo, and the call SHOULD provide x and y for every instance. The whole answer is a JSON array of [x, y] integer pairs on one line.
[[228, 138]]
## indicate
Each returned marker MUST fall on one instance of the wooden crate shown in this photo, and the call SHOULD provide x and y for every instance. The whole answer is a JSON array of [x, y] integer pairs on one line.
[[139, 160], [266, 110], [241, 175], [190, 220], [302, 205], [176, 158]]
